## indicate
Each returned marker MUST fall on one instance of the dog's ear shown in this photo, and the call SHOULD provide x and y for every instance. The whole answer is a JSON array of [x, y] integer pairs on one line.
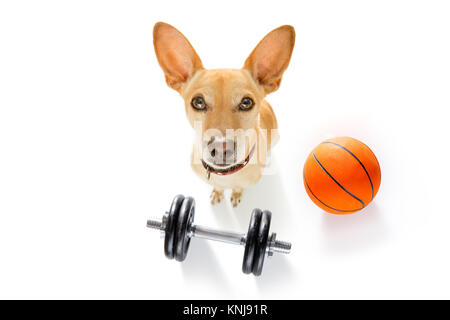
[[270, 58], [175, 54]]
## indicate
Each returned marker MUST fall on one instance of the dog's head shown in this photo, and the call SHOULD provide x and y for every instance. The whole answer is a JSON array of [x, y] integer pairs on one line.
[[224, 102]]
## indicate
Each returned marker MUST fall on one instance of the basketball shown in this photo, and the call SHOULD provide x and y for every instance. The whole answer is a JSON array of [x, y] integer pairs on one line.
[[342, 175]]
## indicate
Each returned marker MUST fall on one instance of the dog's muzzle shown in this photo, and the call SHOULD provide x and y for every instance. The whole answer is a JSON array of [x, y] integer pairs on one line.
[[230, 169]]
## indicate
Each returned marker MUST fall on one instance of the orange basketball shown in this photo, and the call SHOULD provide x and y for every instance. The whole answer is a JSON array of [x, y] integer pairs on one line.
[[342, 175]]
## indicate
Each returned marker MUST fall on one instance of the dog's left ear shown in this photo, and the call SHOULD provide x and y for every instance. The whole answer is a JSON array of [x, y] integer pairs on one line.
[[271, 57]]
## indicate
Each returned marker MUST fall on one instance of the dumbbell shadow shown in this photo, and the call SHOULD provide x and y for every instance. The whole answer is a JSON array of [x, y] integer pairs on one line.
[[278, 272], [202, 263]]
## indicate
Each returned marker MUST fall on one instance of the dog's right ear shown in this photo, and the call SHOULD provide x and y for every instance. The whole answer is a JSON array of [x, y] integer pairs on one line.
[[175, 54]]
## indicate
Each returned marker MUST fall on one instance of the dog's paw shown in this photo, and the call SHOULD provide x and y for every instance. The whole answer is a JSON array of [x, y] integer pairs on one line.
[[216, 196], [236, 195]]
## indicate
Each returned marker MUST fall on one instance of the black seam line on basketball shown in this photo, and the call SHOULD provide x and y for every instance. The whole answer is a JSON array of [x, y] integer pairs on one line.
[[368, 176], [306, 182], [362, 202]]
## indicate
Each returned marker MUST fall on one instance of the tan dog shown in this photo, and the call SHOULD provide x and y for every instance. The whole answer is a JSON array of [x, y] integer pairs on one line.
[[236, 125]]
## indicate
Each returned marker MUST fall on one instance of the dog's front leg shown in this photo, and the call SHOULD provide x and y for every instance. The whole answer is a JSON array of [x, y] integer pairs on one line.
[[216, 196], [236, 195]]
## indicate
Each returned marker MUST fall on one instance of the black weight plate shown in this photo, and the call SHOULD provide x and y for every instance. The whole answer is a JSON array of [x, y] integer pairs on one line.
[[250, 242], [172, 219], [185, 219], [261, 243]]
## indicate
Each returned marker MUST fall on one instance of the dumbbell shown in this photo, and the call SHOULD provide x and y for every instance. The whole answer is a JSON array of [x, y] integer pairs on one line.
[[177, 228]]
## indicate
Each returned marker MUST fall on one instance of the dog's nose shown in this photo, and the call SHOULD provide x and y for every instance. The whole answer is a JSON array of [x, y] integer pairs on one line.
[[222, 151]]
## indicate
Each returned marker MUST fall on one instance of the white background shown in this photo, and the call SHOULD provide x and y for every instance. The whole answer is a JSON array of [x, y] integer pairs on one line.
[[92, 143]]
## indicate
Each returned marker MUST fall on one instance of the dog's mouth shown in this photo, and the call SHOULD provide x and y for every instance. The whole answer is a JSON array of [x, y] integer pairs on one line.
[[225, 169]]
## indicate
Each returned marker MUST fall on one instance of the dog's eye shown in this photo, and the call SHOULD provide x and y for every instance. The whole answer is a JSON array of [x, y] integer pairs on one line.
[[198, 103], [246, 104]]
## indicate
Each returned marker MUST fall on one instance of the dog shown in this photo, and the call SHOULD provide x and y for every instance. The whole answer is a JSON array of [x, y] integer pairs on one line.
[[235, 126]]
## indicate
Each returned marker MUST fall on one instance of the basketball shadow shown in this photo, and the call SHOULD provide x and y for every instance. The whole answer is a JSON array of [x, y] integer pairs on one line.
[[353, 232], [202, 266]]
